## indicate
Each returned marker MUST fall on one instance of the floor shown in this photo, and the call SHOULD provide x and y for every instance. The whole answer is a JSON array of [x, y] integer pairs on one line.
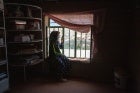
[[43, 85]]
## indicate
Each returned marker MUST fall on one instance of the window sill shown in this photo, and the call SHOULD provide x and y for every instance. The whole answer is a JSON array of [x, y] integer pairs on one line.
[[80, 60]]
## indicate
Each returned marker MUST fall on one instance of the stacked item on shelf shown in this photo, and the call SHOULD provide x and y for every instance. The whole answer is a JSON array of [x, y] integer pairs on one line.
[[4, 73]]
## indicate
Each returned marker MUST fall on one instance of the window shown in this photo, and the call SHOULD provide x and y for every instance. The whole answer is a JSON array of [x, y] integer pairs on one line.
[[76, 44]]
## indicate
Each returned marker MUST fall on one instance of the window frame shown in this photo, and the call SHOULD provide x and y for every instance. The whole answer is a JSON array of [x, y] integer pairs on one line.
[[75, 52]]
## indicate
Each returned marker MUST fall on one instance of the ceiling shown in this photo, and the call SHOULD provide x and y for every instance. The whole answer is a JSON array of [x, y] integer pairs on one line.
[[70, 5]]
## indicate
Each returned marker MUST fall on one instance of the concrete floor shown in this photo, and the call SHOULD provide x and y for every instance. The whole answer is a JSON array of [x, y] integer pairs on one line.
[[43, 85]]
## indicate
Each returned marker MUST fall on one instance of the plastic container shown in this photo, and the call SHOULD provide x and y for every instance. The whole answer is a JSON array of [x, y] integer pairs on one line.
[[121, 78]]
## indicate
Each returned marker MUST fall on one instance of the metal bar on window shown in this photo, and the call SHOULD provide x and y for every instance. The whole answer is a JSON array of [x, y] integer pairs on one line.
[[75, 45], [80, 44], [91, 39], [47, 42], [85, 45], [63, 40], [69, 42], [49, 22], [49, 30], [49, 38]]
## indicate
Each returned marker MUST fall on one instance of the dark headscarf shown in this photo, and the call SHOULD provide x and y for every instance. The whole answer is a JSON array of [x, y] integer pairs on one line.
[[54, 48], [54, 36]]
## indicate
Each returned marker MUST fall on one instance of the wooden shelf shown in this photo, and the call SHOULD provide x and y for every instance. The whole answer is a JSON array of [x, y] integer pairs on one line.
[[34, 62], [34, 41], [25, 53], [24, 34], [38, 30], [24, 18], [28, 5]]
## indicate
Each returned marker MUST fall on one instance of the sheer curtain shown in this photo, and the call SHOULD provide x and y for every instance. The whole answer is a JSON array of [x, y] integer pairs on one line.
[[97, 29], [81, 21]]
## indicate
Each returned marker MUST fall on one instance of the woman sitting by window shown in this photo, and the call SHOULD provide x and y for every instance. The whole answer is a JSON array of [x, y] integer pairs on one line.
[[59, 63]]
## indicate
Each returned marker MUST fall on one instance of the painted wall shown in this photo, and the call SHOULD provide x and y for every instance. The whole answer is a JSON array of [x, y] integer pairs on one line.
[[135, 51], [113, 48]]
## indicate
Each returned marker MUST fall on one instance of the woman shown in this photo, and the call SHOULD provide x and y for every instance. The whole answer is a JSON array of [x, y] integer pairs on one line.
[[59, 63]]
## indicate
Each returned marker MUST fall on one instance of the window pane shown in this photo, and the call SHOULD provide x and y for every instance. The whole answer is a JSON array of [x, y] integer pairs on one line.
[[66, 42], [83, 45], [78, 45], [52, 23], [72, 43], [88, 42]]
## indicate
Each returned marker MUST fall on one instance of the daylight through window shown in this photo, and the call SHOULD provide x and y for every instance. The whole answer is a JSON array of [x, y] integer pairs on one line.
[[76, 44]]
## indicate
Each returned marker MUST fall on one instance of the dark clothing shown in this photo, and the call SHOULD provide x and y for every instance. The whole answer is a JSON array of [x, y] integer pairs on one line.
[[59, 63]]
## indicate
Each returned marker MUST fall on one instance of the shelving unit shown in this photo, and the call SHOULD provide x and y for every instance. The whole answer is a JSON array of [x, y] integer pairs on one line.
[[24, 35], [4, 76]]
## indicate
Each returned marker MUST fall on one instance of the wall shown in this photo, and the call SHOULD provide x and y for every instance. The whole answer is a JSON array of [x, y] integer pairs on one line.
[[135, 51], [113, 48]]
